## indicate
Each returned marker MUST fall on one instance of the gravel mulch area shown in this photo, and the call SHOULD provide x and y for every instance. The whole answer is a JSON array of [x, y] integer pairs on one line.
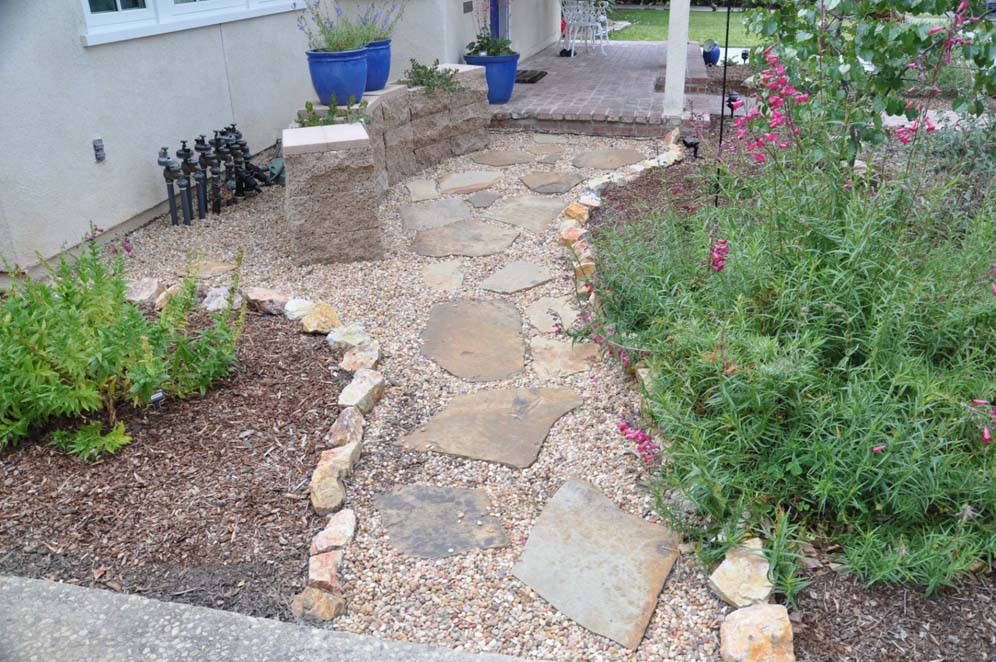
[[470, 601], [209, 503]]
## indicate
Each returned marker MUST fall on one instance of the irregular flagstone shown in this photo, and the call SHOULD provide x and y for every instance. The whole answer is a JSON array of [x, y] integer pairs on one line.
[[550, 159], [468, 182], [210, 269], [321, 319], [506, 426], [422, 189], [528, 211], [479, 341], [742, 578], [502, 157], [598, 565], [297, 309], [348, 428], [608, 159], [434, 214], [551, 182], [323, 570], [470, 238], [483, 199], [436, 522], [364, 391], [144, 291], [549, 138], [443, 276], [760, 633], [337, 533], [560, 358], [546, 313], [517, 276], [265, 300], [546, 150], [366, 355], [317, 605]]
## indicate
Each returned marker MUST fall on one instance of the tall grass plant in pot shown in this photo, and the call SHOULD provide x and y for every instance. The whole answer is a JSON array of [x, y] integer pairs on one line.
[[378, 21]]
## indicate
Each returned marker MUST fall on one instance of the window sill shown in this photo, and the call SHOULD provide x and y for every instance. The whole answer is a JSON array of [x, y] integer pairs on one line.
[[138, 30]]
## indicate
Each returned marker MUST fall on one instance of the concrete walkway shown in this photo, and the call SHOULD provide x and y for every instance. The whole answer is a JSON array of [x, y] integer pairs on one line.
[[49, 622]]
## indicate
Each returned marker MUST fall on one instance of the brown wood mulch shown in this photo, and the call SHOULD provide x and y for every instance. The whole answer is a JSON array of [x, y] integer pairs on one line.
[[838, 619], [209, 503]]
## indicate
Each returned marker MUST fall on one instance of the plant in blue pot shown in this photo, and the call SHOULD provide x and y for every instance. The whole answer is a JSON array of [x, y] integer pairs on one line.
[[495, 54], [378, 20], [337, 58]]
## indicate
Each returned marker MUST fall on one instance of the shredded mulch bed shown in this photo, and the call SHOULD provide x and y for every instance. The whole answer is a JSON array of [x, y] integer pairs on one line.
[[209, 503]]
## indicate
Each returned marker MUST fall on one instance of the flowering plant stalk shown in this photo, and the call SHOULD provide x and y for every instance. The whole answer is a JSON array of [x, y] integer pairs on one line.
[[379, 19], [330, 30]]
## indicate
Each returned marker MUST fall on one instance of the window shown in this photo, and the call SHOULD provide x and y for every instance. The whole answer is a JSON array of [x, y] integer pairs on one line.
[[117, 20]]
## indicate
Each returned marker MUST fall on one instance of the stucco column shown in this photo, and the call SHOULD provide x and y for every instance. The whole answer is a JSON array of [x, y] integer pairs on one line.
[[677, 58]]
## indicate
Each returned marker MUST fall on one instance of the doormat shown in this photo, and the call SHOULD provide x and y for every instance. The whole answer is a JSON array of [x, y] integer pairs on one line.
[[528, 76]]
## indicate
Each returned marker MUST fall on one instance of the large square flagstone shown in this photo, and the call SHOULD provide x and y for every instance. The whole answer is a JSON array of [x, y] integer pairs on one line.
[[436, 522], [601, 567], [507, 426], [528, 211]]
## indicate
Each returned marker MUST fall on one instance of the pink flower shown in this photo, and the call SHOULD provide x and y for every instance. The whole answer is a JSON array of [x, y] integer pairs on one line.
[[848, 186], [789, 91], [994, 288], [935, 30], [775, 102], [741, 134], [777, 119], [771, 137], [962, 7], [737, 104], [783, 145], [760, 157], [878, 449], [980, 402], [801, 98], [986, 437]]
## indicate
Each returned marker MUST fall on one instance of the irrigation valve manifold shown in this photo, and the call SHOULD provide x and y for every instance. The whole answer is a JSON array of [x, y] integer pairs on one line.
[[218, 172]]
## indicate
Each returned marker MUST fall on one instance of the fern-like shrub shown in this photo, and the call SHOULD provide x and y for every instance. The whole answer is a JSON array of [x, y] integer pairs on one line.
[[72, 348]]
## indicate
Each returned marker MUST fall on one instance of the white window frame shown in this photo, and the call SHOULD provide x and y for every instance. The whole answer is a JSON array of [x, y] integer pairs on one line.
[[162, 16]]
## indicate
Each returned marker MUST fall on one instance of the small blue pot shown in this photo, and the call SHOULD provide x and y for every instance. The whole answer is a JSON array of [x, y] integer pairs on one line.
[[378, 64], [711, 57], [343, 74], [500, 72]]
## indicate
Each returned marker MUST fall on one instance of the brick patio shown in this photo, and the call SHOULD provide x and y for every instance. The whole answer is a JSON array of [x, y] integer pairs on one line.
[[611, 94]]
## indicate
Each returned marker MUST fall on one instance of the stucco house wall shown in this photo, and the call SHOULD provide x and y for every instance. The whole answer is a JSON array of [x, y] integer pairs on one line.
[[141, 94]]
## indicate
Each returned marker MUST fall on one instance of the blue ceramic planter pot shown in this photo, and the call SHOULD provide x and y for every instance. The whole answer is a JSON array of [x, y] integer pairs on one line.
[[500, 72], [378, 64], [343, 74], [711, 58]]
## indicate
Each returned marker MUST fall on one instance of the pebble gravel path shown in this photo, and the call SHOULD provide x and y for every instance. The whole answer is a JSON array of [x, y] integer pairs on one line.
[[471, 601]]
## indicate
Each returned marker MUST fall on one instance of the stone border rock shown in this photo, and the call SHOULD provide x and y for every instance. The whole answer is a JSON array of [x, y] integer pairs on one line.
[[757, 630]]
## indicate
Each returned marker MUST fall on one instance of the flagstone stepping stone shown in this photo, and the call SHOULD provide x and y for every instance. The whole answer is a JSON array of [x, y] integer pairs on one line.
[[436, 522], [506, 426], [599, 566], [517, 276], [551, 182], [608, 159], [483, 199], [531, 212], [549, 159], [434, 214], [210, 269], [546, 313], [546, 150], [479, 341], [549, 138], [422, 189], [501, 157], [472, 238], [560, 358], [443, 276], [467, 182]]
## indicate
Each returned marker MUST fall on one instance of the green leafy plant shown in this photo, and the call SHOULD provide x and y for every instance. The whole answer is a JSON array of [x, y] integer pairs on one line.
[[351, 113], [431, 78], [488, 44], [74, 347]]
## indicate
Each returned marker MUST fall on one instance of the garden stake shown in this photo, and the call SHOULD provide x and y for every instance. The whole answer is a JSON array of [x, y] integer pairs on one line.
[[200, 175], [722, 114], [184, 154]]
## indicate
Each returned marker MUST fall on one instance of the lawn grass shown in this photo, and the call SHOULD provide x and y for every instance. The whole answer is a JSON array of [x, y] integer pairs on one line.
[[651, 25]]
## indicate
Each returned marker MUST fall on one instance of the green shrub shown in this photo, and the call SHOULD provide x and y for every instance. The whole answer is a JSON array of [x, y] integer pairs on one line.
[[351, 113], [74, 347], [431, 77], [828, 369]]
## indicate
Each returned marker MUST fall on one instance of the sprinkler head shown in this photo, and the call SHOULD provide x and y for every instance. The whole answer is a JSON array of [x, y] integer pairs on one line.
[[744, 54], [164, 156], [692, 143], [731, 99]]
